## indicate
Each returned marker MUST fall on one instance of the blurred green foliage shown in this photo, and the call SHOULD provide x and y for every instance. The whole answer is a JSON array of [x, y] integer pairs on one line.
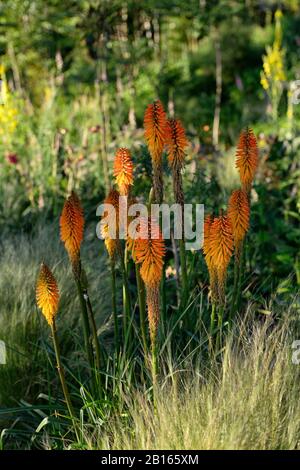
[[81, 73]]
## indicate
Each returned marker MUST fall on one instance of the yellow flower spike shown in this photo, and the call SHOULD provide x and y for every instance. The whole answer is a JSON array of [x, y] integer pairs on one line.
[[8, 110], [47, 294]]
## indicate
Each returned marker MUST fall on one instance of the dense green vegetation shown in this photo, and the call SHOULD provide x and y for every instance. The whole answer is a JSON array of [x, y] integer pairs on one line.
[[76, 78]]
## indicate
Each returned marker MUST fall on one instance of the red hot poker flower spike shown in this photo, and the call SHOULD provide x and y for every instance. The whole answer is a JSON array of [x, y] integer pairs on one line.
[[155, 128], [123, 170], [176, 143], [239, 214], [247, 158], [47, 294], [71, 226]]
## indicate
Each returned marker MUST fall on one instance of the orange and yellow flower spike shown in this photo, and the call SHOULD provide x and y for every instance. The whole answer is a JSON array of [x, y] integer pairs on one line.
[[239, 215], [47, 294], [208, 258], [149, 251], [123, 170], [221, 249], [72, 226], [176, 143], [155, 130], [247, 158]]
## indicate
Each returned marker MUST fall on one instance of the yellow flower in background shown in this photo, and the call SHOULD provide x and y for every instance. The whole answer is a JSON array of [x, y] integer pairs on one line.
[[8, 111], [273, 73], [273, 66]]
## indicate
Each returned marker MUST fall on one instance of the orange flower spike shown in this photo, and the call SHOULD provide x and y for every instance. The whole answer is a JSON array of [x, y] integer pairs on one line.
[[72, 225], [247, 158], [176, 143], [123, 170], [221, 242], [220, 251], [155, 127], [47, 294], [149, 251], [208, 258], [206, 235], [239, 214]]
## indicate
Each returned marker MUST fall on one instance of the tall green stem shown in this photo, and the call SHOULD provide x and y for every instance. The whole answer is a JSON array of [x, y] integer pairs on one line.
[[142, 307], [220, 327], [240, 276], [163, 297], [94, 330], [114, 304], [154, 371], [86, 326], [184, 276], [235, 286], [127, 322], [63, 382]]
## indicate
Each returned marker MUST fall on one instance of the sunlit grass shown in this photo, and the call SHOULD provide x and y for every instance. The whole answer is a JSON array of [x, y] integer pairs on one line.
[[21, 326], [250, 400]]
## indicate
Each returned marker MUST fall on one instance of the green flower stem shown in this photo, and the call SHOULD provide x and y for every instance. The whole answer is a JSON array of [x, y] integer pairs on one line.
[[142, 307], [235, 286], [154, 368], [94, 330], [127, 322], [240, 276], [114, 303], [184, 277], [220, 327], [63, 382], [86, 326], [163, 297]]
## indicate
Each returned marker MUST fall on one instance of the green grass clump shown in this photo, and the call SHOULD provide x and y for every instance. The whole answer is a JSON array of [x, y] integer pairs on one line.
[[245, 397], [251, 401]]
